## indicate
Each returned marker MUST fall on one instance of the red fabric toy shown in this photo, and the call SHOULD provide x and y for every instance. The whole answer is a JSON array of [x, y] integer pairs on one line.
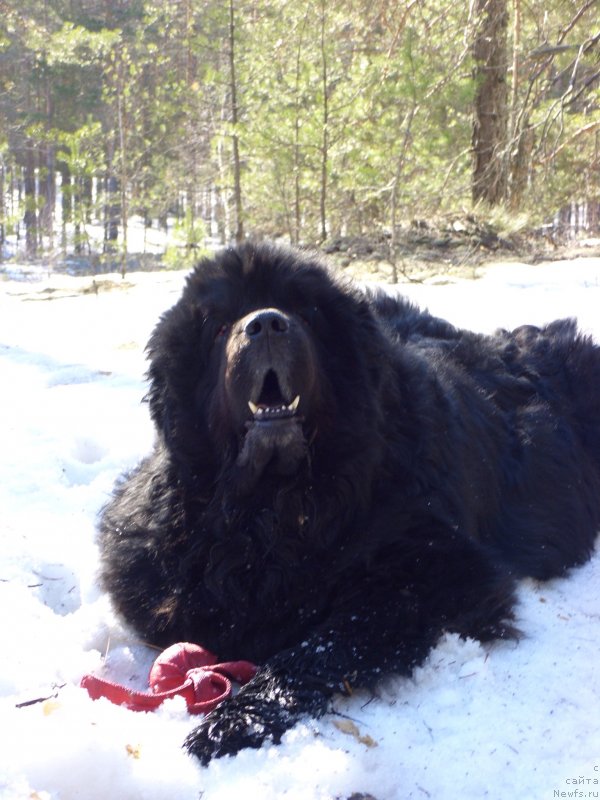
[[183, 669]]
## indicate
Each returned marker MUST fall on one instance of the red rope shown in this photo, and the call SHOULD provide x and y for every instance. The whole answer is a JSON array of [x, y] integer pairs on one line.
[[185, 670]]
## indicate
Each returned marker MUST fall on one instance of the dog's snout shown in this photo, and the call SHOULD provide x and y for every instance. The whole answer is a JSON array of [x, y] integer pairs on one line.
[[265, 322]]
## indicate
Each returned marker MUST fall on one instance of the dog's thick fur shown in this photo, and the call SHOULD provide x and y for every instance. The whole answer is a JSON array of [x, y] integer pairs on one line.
[[334, 539]]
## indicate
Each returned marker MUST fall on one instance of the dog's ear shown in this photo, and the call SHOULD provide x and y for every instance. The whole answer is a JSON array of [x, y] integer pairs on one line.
[[157, 397], [175, 366]]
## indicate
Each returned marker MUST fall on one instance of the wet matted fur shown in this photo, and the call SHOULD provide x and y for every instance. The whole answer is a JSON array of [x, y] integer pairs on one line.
[[338, 478]]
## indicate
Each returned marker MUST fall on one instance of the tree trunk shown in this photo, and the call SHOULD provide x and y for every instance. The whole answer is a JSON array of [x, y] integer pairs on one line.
[[112, 208], [520, 134], [112, 212], [490, 126], [66, 203], [2, 210], [295, 233], [123, 159], [237, 170], [30, 216], [325, 131], [123, 178], [49, 194], [48, 159]]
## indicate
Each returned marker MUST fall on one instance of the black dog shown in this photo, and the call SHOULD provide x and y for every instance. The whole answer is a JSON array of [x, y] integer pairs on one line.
[[339, 478]]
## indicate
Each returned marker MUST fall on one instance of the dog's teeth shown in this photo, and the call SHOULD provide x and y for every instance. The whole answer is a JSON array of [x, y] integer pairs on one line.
[[274, 411]]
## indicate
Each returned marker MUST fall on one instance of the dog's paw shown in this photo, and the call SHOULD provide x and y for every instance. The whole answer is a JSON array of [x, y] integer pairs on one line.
[[263, 710], [236, 724]]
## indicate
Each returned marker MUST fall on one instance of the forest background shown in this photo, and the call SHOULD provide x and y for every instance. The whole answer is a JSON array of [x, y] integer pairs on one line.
[[309, 120]]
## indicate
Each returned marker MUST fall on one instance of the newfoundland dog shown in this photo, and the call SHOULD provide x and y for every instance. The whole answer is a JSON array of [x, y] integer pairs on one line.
[[338, 478]]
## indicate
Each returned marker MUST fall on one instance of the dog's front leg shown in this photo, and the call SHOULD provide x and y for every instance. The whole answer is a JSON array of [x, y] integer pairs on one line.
[[351, 649], [386, 621]]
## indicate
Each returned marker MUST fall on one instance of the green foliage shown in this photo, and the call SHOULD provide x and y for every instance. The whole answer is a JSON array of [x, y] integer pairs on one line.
[[350, 115], [187, 246]]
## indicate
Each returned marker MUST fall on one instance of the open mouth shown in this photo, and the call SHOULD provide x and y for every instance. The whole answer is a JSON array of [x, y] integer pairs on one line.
[[271, 404]]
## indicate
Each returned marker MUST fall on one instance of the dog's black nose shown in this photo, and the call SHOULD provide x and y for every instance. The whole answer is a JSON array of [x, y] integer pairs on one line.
[[266, 321]]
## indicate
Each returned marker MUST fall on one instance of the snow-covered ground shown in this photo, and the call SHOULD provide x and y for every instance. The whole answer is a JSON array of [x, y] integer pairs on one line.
[[507, 721]]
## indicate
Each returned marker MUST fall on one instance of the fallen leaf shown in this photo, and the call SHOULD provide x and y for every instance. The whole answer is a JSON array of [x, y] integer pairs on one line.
[[50, 706], [350, 729], [133, 750]]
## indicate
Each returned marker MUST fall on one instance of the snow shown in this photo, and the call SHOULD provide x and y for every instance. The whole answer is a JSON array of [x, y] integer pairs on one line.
[[498, 721]]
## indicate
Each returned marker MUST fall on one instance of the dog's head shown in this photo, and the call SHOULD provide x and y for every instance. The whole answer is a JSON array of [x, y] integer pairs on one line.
[[265, 360]]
